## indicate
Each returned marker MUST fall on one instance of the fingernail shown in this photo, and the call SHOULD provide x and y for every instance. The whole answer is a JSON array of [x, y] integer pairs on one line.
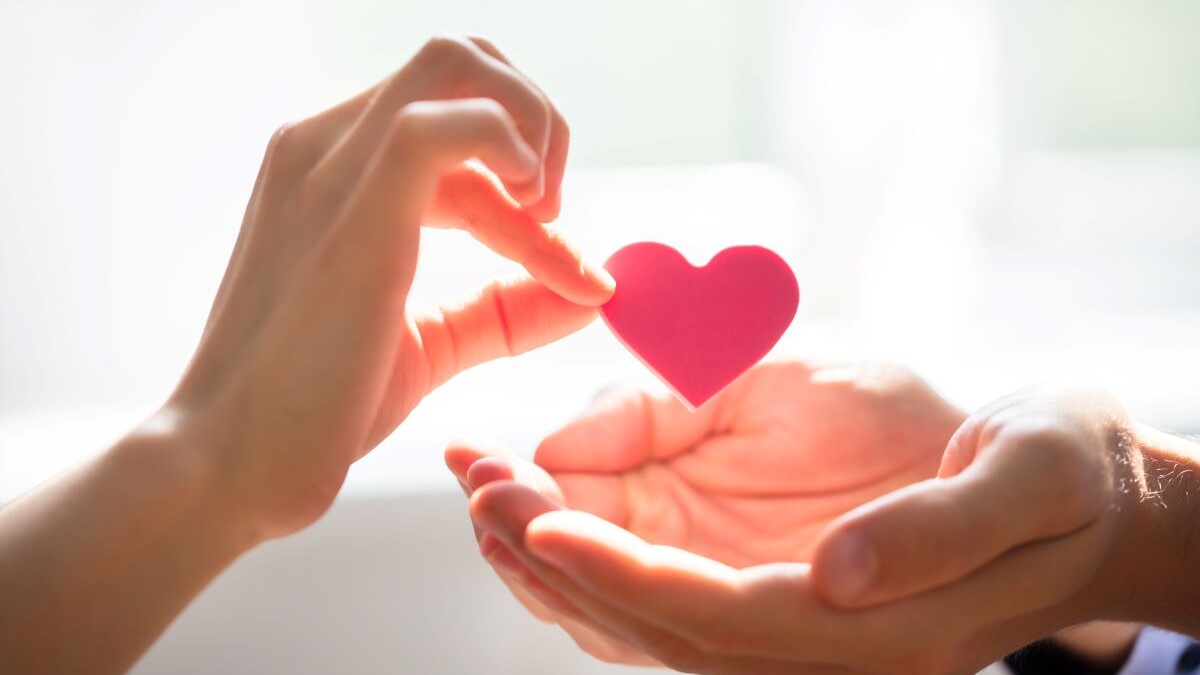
[[488, 470], [599, 276], [852, 567]]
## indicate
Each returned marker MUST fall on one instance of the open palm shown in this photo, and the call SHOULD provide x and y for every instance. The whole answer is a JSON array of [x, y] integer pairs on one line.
[[752, 477]]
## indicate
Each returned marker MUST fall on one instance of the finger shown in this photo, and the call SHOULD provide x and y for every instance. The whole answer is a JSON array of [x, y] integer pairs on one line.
[[427, 139], [513, 569], [494, 552], [623, 430], [743, 619], [605, 648], [373, 246], [602, 495], [461, 453], [1027, 593], [554, 160], [505, 318], [543, 603], [507, 510], [445, 68], [938, 531], [531, 604], [504, 510], [667, 586], [468, 199], [360, 272], [491, 469], [477, 463], [549, 605], [697, 601]]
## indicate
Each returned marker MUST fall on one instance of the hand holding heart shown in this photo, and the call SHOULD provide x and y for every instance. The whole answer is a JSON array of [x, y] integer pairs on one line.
[[312, 354], [688, 537]]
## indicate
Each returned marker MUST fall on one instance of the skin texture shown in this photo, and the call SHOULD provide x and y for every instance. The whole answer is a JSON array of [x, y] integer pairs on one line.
[[311, 354], [1043, 515]]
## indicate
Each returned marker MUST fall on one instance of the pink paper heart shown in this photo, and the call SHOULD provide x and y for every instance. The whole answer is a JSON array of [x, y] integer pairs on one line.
[[699, 328]]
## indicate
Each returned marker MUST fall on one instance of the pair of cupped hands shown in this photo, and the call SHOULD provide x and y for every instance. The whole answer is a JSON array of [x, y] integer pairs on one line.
[[813, 518]]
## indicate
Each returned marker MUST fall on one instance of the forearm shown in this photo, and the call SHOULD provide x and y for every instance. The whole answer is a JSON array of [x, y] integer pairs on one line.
[[96, 564], [1164, 587]]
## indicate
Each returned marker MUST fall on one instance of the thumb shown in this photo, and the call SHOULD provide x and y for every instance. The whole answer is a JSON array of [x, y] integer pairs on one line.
[[1019, 489], [504, 318]]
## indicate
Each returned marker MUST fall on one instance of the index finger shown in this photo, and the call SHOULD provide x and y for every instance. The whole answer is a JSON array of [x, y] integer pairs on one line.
[[470, 200]]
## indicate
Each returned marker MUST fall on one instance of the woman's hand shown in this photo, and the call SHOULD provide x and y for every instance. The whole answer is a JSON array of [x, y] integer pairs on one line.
[[751, 478], [312, 355]]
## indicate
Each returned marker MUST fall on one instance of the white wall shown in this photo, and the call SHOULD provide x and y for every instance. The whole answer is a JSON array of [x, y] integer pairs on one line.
[[936, 200]]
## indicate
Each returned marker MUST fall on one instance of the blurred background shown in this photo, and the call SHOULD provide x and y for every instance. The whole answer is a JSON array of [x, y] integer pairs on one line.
[[993, 192]]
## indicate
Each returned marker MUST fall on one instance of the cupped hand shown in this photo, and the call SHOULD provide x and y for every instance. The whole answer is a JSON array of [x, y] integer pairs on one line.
[[1026, 531], [311, 354], [751, 478]]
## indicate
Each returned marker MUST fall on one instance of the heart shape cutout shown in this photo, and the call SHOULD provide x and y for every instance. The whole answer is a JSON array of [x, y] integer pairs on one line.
[[699, 328]]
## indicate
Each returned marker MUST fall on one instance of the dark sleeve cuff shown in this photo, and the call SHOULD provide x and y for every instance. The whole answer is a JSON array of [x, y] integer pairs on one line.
[[1156, 652]]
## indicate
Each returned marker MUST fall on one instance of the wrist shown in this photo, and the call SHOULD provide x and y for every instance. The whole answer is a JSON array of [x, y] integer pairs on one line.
[[186, 479], [1161, 548]]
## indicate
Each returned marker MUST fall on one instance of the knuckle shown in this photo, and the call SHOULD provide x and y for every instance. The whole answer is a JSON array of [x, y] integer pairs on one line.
[[995, 426], [483, 42], [491, 110], [545, 109], [445, 51], [1055, 448], [409, 126], [557, 245], [281, 137], [284, 142], [287, 156], [561, 126]]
